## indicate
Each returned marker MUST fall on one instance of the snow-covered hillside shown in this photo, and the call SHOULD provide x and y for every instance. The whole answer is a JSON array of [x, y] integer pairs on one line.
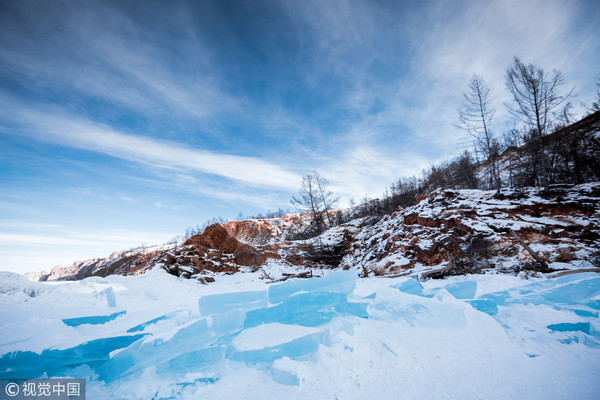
[[155, 336], [472, 231], [529, 230]]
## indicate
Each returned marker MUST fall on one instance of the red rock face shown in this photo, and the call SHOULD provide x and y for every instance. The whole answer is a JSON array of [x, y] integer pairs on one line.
[[251, 231], [431, 223], [216, 237], [225, 248], [216, 250], [419, 198]]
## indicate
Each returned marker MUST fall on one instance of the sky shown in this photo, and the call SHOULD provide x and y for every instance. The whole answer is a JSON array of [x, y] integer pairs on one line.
[[123, 123]]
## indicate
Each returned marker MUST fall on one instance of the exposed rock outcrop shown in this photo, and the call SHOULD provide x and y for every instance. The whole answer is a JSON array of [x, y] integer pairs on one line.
[[262, 231], [213, 251], [472, 227]]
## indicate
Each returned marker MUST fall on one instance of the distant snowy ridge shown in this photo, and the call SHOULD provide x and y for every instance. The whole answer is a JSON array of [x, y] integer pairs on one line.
[[125, 262]]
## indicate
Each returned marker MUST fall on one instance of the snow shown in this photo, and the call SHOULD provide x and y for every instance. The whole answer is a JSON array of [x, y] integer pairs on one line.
[[479, 336], [425, 244]]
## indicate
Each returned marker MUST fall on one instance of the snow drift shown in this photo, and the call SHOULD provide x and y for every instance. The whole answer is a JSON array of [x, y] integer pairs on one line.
[[157, 336]]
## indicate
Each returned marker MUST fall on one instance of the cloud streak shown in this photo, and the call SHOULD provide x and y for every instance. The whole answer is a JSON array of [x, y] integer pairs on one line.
[[76, 132]]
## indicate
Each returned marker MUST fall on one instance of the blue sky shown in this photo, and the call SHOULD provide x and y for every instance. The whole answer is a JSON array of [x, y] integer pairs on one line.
[[125, 122]]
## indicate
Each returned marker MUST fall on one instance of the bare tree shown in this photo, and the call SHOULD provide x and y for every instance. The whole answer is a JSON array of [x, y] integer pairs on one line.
[[316, 199], [476, 115], [306, 201], [327, 199], [536, 99]]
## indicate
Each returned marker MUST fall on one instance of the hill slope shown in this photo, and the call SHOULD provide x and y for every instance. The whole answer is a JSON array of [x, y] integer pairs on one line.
[[449, 232]]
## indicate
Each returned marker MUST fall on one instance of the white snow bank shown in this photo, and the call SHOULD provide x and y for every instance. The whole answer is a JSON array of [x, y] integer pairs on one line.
[[485, 336]]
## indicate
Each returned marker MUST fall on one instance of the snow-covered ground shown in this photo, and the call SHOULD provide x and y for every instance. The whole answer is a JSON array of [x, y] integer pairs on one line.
[[157, 336]]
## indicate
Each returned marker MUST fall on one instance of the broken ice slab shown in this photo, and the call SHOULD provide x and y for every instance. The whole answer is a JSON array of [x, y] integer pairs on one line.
[[27, 364], [487, 306], [199, 334], [462, 289], [571, 289], [307, 309], [296, 348], [191, 361], [143, 325], [579, 310], [442, 311], [532, 292], [578, 332], [337, 282], [410, 286], [266, 343], [574, 292], [92, 320], [220, 303]]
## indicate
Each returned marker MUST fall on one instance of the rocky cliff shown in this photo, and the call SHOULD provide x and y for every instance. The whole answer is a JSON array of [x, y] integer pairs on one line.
[[462, 231]]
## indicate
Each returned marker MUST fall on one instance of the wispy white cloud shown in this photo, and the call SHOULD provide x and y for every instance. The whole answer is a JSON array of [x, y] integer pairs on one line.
[[196, 187], [82, 239], [366, 171], [73, 131], [18, 207], [100, 52]]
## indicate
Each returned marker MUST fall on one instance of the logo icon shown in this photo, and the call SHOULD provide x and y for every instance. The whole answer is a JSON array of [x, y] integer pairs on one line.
[[12, 389]]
